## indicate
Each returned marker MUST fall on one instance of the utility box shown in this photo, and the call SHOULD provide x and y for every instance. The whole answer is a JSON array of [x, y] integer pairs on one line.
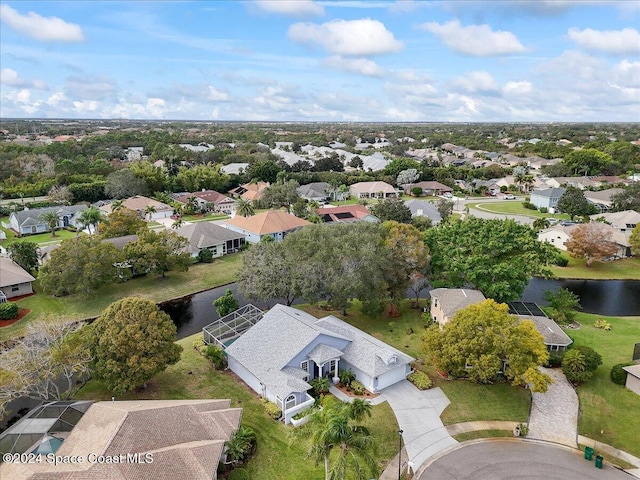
[[599, 460], [588, 453]]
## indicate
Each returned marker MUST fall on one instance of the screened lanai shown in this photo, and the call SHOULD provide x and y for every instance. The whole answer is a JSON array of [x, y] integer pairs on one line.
[[224, 331]]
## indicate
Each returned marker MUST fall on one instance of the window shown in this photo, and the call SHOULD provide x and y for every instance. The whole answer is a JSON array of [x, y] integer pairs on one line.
[[435, 302], [15, 288], [290, 402], [304, 365]]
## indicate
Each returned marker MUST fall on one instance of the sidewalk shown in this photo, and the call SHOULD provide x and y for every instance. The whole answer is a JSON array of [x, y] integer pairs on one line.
[[465, 427]]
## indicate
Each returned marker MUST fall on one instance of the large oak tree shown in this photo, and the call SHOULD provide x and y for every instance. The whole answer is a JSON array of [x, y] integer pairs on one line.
[[591, 241]]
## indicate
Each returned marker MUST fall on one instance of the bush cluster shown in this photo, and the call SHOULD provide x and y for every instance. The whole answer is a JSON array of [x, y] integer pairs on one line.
[[561, 261], [8, 310], [618, 375], [421, 380], [215, 356], [529, 206], [602, 324], [544, 210], [357, 387], [271, 408], [239, 474]]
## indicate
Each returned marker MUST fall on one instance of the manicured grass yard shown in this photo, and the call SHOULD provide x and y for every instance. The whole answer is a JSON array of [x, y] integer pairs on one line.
[[200, 277], [625, 269], [514, 207], [276, 457], [463, 437], [609, 413]]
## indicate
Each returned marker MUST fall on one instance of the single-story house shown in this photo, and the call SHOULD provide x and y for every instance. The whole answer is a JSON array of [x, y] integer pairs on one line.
[[279, 355], [554, 337], [275, 223], [346, 214], [234, 168], [14, 280], [633, 378], [602, 198], [208, 201], [445, 302], [28, 221], [372, 190], [422, 208], [209, 236], [140, 205], [314, 192], [428, 188], [624, 221], [251, 192], [547, 198], [150, 439], [558, 235]]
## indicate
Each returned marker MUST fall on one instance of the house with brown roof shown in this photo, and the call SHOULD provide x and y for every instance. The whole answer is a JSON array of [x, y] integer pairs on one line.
[[14, 280], [602, 198], [208, 201], [346, 214], [141, 205], [140, 440], [274, 223], [428, 188], [372, 190], [251, 192]]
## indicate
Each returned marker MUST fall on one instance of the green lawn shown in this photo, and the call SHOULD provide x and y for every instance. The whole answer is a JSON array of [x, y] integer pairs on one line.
[[469, 401], [275, 458], [204, 218], [463, 437], [609, 413], [514, 207], [41, 239], [176, 284], [626, 269]]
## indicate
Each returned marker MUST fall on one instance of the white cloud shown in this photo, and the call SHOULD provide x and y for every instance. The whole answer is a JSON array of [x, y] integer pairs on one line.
[[475, 82], [85, 107], [296, 8], [216, 95], [90, 87], [363, 66], [46, 29], [517, 88], [156, 107], [11, 78], [622, 41], [55, 99], [475, 40], [347, 37]]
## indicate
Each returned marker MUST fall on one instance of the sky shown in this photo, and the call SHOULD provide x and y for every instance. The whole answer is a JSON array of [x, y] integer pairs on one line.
[[322, 60]]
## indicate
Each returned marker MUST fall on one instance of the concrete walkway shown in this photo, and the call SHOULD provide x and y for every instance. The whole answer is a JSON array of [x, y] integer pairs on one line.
[[418, 414], [554, 414]]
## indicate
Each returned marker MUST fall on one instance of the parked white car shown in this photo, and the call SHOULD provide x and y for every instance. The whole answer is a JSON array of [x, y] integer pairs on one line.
[[509, 197]]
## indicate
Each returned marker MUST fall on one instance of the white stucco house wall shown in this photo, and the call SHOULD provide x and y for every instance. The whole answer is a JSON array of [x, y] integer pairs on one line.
[[547, 198]]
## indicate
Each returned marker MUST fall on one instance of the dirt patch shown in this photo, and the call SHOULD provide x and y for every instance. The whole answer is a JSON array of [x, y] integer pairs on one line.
[[21, 314]]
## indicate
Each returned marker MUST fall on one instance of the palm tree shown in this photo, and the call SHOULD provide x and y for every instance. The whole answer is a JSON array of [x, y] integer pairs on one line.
[[148, 211], [244, 208], [541, 224], [240, 445], [117, 205], [51, 218], [178, 223], [90, 217]]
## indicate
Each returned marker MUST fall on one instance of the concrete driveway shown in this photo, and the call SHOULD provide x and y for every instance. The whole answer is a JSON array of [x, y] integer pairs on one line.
[[418, 414]]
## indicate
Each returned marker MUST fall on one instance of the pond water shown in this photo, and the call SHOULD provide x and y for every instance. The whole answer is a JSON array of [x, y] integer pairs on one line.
[[604, 297]]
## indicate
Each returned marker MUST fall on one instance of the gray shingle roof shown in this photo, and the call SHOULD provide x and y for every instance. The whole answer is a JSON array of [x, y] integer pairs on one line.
[[549, 192], [313, 190], [428, 209], [552, 333], [206, 234], [322, 353], [453, 299], [30, 217]]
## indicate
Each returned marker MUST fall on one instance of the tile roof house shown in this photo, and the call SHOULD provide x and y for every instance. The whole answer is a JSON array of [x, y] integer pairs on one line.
[[423, 208], [173, 439], [251, 192], [547, 198], [139, 204], [209, 236], [14, 280], [445, 302], [428, 188], [272, 222], [208, 201], [372, 190], [346, 214], [28, 221], [280, 367]]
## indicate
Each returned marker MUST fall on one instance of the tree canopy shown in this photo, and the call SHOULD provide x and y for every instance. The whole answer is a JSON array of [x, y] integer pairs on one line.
[[498, 257], [226, 303], [628, 199], [484, 337], [24, 254], [634, 240], [134, 340], [591, 241], [281, 194], [573, 202], [124, 184], [392, 209], [157, 252], [121, 222]]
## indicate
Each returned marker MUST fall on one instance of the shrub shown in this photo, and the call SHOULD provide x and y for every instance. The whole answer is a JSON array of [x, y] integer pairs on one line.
[[503, 189], [544, 210], [555, 360], [574, 367], [205, 256], [300, 415], [346, 377], [421, 380], [199, 345], [602, 324], [320, 385], [529, 206], [561, 261], [592, 359], [271, 408], [416, 191], [357, 387], [8, 310], [618, 375], [215, 356], [524, 429], [239, 474]]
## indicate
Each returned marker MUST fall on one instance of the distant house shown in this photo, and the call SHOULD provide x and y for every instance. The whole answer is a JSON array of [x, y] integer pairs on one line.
[[602, 199], [445, 302], [251, 192], [547, 198], [150, 439], [558, 235], [633, 378], [624, 221], [275, 223], [140, 205], [346, 214], [280, 354], [314, 192], [423, 208], [372, 190], [208, 201], [428, 188], [14, 280], [234, 168], [28, 222], [209, 236]]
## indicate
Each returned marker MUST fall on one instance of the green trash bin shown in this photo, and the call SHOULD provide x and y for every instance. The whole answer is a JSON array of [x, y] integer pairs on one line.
[[599, 461], [588, 453]]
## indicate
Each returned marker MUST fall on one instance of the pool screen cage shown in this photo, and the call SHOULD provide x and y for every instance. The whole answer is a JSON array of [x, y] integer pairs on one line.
[[225, 330]]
